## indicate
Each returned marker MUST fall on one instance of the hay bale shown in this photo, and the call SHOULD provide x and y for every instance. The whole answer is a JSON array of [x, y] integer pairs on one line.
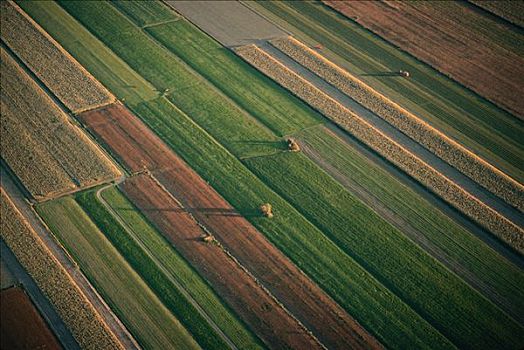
[[267, 210], [292, 145]]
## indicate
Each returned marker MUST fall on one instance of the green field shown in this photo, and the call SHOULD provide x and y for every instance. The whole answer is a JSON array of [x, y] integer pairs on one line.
[[247, 87], [479, 125], [173, 266], [152, 325], [500, 280], [337, 272]]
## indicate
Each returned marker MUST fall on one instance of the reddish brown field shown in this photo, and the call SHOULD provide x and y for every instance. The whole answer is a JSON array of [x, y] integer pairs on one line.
[[136, 146], [453, 37], [256, 307], [21, 325]]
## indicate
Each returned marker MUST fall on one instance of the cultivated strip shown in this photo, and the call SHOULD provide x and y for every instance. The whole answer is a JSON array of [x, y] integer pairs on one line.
[[56, 156], [78, 314], [386, 147], [435, 141], [59, 71]]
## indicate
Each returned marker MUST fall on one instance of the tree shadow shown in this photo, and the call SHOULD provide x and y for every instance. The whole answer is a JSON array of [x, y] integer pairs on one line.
[[382, 74], [276, 145], [205, 211]]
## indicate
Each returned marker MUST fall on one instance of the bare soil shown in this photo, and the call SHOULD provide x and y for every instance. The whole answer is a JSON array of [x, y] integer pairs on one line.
[[22, 326], [137, 146], [476, 50]]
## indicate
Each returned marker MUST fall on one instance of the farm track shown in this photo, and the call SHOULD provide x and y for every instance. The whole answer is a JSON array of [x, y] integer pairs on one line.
[[484, 195], [184, 292], [258, 308], [114, 324], [134, 143]]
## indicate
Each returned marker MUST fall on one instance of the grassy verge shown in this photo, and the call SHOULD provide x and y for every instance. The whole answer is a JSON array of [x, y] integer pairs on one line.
[[464, 116], [152, 325]]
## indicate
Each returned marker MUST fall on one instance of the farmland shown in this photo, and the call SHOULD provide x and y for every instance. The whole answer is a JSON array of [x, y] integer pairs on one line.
[[438, 143], [68, 80], [478, 51], [258, 309], [22, 326], [256, 254], [59, 157], [481, 127], [386, 147], [176, 268], [78, 314], [128, 295], [275, 189]]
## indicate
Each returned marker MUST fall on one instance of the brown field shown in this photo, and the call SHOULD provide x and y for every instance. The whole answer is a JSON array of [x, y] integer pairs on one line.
[[435, 141], [40, 144], [139, 148], [473, 49], [21, 325], [252, 303], [60, 72], [386, 147], [70, 303]]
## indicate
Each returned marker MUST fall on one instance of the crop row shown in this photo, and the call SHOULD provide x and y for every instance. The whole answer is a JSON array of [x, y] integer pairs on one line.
[[60, 72], [78, 314], [435, 141], [386, 147], [56, 156], [353, 287]]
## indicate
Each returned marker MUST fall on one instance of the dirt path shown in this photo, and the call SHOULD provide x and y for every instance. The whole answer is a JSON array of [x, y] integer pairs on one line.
[[405, 141], [184, 292], [67, 262], [138, 147]]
